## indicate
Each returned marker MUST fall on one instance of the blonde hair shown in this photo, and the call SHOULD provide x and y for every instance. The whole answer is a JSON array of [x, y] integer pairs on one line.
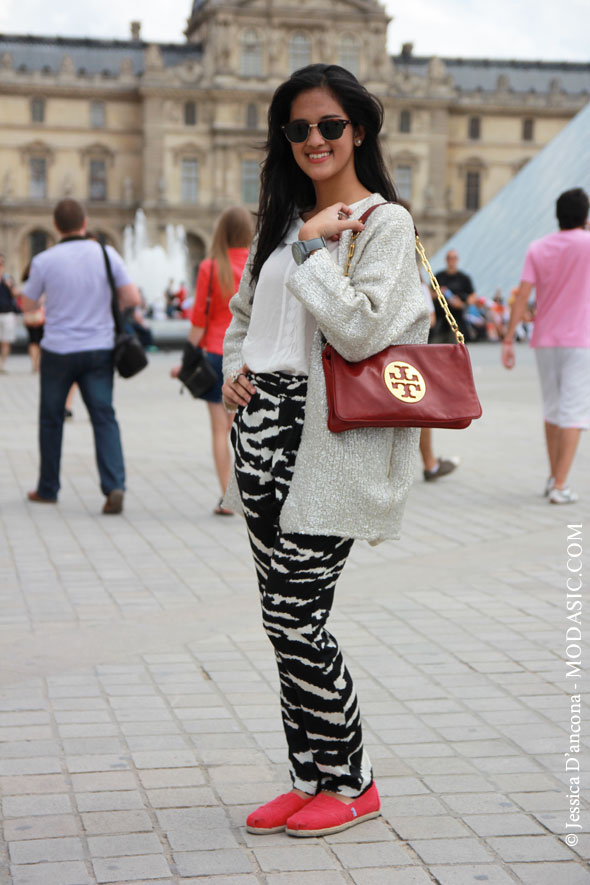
[[234, 230]]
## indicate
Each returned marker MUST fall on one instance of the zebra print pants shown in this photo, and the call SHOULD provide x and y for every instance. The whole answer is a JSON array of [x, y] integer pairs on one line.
[[297, 574]]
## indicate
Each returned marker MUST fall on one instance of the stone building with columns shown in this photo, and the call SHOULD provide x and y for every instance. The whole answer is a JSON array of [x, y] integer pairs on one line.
[[177, 129]]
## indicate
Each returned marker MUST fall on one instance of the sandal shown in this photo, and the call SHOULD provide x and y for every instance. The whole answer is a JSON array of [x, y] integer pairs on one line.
[[220, 510]]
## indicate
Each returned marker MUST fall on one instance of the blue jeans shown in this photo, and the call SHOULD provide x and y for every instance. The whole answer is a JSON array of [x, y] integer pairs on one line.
[[92, 371]]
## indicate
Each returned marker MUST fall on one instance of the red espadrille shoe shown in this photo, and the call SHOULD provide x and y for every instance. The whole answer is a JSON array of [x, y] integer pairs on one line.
[[272, 817], [325, 814]]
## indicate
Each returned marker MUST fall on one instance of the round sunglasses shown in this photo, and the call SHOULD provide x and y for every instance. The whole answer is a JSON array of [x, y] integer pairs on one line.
[[299, 130]]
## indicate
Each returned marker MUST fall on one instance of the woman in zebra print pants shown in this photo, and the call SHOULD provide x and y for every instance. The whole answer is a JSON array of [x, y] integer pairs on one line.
[[306, 494]]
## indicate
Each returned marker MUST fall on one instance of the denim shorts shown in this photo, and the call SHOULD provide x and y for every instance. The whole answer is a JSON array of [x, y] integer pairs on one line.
[[214, 395]]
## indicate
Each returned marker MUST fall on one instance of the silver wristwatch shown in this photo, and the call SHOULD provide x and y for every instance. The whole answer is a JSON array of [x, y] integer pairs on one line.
[[302, 249]]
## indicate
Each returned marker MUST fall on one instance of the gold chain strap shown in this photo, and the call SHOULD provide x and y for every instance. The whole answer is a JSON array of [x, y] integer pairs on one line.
[[433, 282]]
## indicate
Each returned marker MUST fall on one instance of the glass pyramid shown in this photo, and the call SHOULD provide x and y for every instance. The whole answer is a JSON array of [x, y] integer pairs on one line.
[[493, 243]]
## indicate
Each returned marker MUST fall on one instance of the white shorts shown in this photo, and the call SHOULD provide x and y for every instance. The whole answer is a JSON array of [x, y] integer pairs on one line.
[[7, 327], [564, 373]]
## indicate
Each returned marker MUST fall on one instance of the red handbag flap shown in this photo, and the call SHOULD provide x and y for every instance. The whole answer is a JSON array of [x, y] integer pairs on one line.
[[423, 385]]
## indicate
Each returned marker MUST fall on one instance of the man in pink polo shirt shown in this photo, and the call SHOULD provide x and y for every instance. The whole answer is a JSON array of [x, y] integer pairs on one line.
[[558, 267]]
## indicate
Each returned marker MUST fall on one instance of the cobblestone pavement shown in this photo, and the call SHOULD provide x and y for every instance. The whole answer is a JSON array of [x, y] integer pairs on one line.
[[138, 698]]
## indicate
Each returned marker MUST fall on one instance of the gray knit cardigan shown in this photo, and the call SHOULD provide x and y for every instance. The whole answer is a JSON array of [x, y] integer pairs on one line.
[[352, 484]]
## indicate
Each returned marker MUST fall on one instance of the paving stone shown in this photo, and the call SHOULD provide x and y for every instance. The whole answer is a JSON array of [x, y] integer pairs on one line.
[[529, 848], [164, 759], [42, 850], [40, 827], [118, 846], [30, 806], [187, 838], [551, 873], [294, 857], [375, 854], [172, 777], [98, 762], [502, 824], [469, 874], [435, 851], [106, 822], [468, 783], [186, 797], [432, 827], [42, 783], [120, 800], [120, 869], [323, 877], [43, 765], [103, 782], [407, 876], [70, 873], [472, 803], [211, 863]]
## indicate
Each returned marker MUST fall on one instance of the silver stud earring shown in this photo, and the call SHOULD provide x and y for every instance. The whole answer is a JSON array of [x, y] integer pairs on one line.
[[358, 142]]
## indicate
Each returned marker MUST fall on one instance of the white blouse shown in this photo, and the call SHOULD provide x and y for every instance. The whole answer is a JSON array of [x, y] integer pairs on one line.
[[281, 330]]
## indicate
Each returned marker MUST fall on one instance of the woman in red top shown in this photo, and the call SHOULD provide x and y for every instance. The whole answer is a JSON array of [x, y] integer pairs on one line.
[[222, 271]]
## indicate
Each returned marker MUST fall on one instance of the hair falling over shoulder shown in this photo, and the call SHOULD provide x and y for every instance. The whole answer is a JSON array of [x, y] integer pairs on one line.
[[284, 188], [234, 230]]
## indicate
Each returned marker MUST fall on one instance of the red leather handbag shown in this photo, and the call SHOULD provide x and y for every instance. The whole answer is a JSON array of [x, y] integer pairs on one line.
[[404, 385]]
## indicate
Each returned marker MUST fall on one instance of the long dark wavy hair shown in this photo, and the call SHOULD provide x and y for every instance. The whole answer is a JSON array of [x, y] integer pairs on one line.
[[284, 188]]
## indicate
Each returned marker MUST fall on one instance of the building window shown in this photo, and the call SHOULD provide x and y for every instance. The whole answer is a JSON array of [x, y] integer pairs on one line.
[[190, 113], [349, 54], [189, 180], [38, 110], [472, 191], [98, 180], [37, 242], [403, 182], [405, 121], [252, 116], [251, 55], [299, 52], [38, 177], [528, 129], [250, 173], [474, 128], [97, 114]]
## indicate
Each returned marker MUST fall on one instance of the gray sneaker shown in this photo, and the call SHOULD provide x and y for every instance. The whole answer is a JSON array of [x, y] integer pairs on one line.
[[443, 468], [562, 496], [548, 486]]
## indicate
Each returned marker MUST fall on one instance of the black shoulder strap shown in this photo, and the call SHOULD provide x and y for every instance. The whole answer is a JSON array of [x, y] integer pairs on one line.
[[114, 298]]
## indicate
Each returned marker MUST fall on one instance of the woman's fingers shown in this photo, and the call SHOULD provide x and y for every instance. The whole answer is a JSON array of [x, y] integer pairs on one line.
[[239, 391]]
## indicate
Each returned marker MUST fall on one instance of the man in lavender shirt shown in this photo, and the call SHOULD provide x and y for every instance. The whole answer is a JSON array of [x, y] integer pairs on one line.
[[77, 348]]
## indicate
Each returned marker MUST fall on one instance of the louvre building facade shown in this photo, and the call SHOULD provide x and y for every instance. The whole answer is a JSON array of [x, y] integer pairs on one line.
[[177, 128]]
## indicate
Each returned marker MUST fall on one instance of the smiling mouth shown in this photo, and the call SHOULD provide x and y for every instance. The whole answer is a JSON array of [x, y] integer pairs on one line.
[[320, 155]]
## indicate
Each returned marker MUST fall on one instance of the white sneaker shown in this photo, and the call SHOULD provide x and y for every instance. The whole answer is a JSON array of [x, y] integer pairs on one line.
[[562, 496]]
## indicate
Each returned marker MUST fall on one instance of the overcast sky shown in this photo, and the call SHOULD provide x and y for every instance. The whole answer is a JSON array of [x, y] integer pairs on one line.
[[524, 29]]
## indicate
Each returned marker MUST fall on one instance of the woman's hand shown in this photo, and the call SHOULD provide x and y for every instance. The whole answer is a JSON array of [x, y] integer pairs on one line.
[[330, 222], [239, 391], [175, 371], [507, 356]]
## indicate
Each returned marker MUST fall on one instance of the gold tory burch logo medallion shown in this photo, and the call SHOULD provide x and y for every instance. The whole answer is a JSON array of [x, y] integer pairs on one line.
[[404, 382]]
